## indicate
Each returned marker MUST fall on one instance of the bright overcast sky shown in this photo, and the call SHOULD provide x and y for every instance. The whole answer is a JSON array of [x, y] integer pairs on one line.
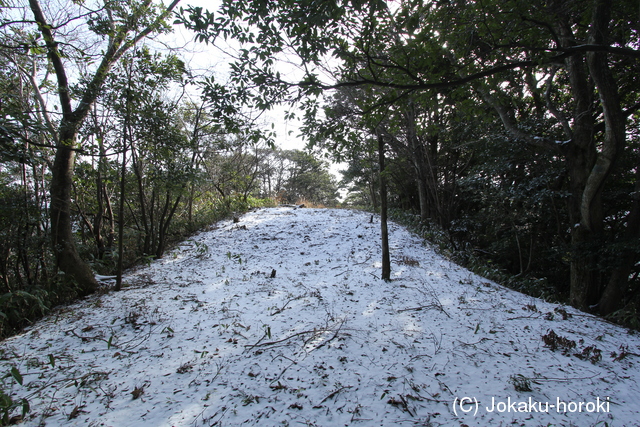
[[205, 59]]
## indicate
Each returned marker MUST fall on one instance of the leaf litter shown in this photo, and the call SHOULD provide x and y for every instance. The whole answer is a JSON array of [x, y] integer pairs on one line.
[[282, 319]]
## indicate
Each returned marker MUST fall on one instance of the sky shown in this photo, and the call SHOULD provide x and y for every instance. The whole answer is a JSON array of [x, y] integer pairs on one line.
[[207, 59]]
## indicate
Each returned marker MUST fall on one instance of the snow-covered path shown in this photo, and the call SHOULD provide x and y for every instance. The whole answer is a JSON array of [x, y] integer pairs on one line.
[[207, 336]]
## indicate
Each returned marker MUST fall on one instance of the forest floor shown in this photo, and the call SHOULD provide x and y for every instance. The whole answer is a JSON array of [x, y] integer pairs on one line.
[[281, 319]]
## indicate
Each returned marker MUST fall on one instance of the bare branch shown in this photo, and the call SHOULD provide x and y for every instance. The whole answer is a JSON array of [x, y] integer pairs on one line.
[[556, 59]]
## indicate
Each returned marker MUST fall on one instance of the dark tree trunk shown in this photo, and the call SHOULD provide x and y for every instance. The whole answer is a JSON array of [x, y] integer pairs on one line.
[[384, 232], [111, 230], [592, 169], [67, 257], [584, 207], [613, 295], [433, 187], [98, 220], [417, 157], [137, 169], [123, 176], [163, 227], [612, 146], [373, 192]]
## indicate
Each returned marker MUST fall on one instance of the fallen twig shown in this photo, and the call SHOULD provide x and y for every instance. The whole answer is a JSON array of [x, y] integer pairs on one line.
[[532, 316], [297, 334], [437, 306], [332, 338], [334, 393], [474, 343], [281, 309], [401, 403]]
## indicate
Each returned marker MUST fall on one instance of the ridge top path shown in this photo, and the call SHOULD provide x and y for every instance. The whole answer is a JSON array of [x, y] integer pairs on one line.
[[206, 336]]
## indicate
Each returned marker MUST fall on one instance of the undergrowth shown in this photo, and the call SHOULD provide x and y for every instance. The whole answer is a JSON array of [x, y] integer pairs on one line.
[[473, 260], [24, 301]]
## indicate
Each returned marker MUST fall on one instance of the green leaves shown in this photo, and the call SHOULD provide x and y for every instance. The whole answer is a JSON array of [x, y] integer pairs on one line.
[[15, 373]]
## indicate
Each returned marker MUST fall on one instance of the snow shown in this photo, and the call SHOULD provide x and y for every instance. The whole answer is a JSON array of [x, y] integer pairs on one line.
[[206, 336]]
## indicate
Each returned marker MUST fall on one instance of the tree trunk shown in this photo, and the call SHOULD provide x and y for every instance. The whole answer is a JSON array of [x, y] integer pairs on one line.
[[102, 197], [123, 176], [97, 222], [584, 206], [384, 232], [111, 230], [585, 289], [613, 295], [612, 146], [67, 257], [417, 157], [373, 191], [429, 152], [136, 164], [422, 198], [164, 225]]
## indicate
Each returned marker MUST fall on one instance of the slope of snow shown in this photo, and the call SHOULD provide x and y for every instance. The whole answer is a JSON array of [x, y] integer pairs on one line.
[[207, 336]]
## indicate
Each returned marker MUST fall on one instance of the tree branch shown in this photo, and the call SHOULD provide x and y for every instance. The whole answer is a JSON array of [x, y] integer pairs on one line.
[[32, 79], [553, 110], [54, 56], [556, 59]]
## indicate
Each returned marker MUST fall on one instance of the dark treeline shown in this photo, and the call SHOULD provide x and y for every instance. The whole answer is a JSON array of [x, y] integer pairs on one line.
[[510, 126]]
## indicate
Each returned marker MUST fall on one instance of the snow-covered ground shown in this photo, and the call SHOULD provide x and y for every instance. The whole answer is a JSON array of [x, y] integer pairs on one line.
[[281, 319]]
